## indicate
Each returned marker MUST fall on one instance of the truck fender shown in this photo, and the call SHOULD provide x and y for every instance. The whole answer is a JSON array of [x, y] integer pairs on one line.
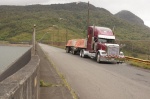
[[99, 55], [99, 51]]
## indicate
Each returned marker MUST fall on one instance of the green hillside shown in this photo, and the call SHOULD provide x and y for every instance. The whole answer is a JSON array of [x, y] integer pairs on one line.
[[18, 21], [130, 17], [59, 22]]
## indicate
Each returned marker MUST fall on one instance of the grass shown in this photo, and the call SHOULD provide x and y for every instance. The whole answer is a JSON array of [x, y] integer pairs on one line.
[[139, 64], [4, 42], [46, 84]]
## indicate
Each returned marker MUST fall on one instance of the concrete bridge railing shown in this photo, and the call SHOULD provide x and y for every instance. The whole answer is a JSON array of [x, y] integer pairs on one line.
[[24, 84], [15, 66]]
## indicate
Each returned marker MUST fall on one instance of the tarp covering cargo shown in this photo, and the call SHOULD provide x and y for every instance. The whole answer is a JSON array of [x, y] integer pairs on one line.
[[78, 43]]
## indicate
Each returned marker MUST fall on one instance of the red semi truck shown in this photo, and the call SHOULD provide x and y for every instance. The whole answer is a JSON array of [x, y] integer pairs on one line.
[[100, 45]]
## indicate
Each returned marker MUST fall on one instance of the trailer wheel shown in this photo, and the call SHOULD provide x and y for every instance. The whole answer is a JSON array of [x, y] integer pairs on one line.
[[73, 52], [67, 50], [98, 58], [82, 54]]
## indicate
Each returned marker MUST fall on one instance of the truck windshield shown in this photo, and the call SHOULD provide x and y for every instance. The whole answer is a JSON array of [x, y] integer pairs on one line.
[[102, 40]]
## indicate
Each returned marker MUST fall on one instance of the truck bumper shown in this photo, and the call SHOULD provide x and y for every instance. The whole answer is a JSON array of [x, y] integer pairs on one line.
[[113, 59]]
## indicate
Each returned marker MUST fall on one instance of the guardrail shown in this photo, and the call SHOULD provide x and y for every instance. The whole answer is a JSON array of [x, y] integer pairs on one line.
[[24, 84], [16, 65], [146, 62]]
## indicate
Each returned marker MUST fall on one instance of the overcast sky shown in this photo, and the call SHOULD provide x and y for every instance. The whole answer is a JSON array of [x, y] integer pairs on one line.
[[138, 7]]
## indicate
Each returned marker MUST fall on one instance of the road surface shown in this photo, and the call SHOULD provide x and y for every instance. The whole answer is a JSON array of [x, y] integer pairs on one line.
[[92, 80]]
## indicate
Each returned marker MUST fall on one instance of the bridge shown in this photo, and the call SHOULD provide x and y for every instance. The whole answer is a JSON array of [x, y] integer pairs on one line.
[[52, 73], [24, 78]]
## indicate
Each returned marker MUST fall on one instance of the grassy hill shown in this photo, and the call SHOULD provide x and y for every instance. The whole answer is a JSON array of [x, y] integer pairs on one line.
[[57, 21], [18, 21], [130, 17]]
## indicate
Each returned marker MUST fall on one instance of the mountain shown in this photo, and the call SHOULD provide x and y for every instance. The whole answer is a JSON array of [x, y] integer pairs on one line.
[[16, 22], [60, 22], [130, 17]]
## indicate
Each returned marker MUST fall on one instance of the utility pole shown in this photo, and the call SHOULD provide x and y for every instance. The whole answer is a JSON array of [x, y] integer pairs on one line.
[[58, 38], [88, 19], [34, 40], [148, 53], [66, 35], [88, 14], [53, 39]]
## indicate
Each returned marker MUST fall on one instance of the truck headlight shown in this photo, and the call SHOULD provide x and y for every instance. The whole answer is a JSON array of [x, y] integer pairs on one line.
[[104, 53], [121, 54]]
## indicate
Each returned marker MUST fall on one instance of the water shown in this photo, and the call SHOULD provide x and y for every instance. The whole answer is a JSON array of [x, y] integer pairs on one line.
[[9, 54]]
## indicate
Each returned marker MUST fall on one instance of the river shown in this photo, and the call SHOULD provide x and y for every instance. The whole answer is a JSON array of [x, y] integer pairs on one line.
[[9, 54]]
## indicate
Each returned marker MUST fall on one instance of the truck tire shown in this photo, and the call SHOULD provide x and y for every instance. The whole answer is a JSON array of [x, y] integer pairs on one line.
[[98, 58], [73, 52], [67, 50], [82, 53]]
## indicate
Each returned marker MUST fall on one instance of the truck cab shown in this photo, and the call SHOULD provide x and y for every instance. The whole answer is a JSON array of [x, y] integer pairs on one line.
[[101, 41]]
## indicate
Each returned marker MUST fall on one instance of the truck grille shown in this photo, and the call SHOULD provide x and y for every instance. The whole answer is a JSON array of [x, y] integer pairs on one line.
[[113, 50]]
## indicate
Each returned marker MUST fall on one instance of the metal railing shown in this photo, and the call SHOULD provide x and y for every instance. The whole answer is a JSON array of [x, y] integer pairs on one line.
[[146, 62]]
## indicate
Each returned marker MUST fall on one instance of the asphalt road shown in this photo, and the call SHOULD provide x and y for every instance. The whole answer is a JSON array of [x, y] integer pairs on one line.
[[91, 80]]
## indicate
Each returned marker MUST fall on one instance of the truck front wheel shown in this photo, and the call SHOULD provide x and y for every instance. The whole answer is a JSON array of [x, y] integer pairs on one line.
[[98, 58]]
